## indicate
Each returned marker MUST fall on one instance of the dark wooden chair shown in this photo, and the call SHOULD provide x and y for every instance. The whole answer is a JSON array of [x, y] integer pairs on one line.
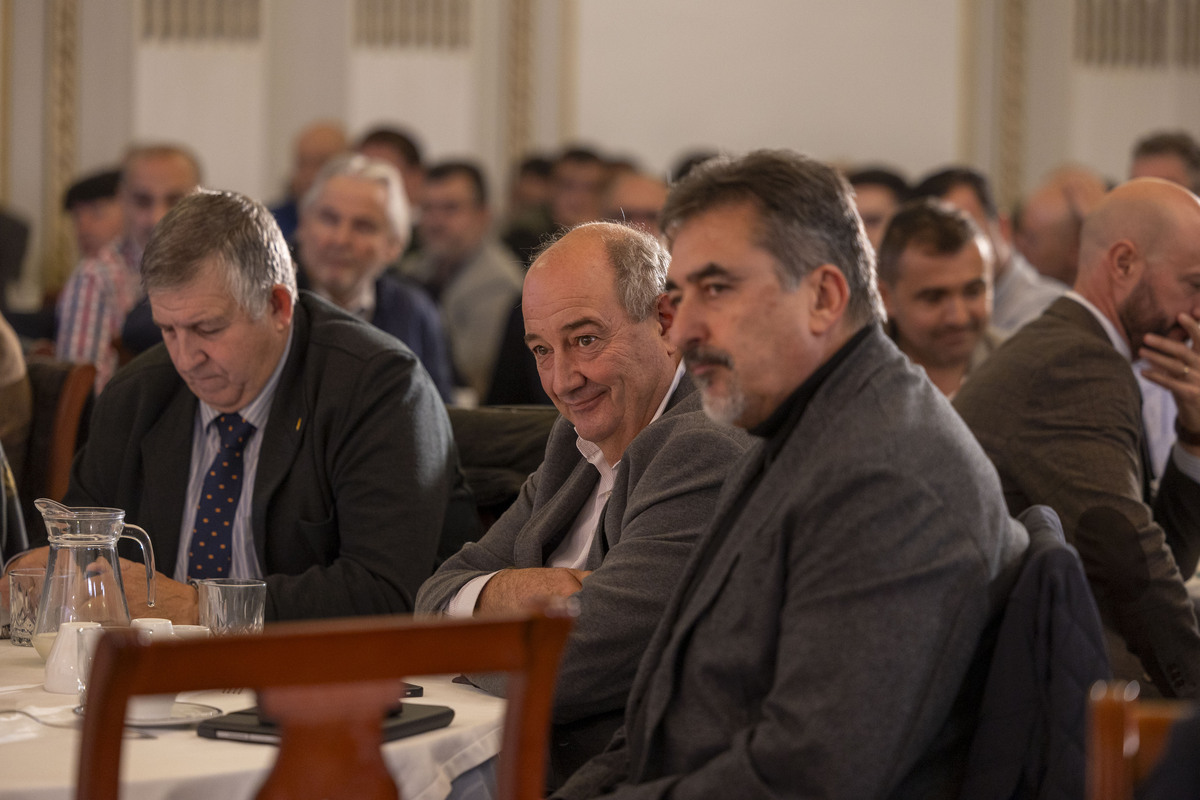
[[1126, 737], [499, 446], [328, 684], [61, 396]]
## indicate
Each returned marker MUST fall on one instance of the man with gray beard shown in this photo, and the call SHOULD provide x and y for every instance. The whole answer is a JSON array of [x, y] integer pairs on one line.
[[847, 568]]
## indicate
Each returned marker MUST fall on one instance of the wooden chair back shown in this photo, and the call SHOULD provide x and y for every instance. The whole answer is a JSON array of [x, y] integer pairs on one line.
[[328, 685], [1126, 737], [61, 392]]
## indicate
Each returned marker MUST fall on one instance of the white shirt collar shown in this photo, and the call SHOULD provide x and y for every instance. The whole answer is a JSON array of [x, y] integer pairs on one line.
[[592, 452], [1118, 341]]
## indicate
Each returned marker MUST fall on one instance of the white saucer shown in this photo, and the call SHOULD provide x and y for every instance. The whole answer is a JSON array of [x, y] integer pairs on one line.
[[181, 714]]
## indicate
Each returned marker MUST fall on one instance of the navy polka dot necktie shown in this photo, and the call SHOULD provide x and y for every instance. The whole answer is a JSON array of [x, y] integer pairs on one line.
[[211, 553]]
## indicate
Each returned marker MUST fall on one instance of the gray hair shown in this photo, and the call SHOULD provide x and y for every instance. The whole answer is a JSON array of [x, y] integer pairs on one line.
[[639, 262], [356, 165], [228, 229], [806, 213]]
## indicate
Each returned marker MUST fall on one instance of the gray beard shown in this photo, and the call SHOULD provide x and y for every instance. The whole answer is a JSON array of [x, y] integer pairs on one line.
[[725, 409]]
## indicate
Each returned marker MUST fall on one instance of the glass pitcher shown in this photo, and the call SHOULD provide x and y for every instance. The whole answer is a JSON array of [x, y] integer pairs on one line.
[[83, 577]]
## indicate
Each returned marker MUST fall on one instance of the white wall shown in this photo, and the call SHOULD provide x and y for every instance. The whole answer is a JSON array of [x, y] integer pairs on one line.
[[1113, 108], [873, 80]]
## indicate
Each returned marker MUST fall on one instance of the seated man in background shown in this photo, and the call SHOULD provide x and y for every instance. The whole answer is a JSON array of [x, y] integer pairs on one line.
[[312, 148], [630, 477], [346, 456], [634, 198], [1057, 408], [1046, 231], [95, 210], [878, 192], [1020, 293], [818, 641], [475, 281], [935, 276], [353, 224], [1171, 155], [103, 290]]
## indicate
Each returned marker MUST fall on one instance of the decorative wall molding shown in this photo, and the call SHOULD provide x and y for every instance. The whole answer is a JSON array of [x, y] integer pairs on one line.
[[62, 87], [1137, 34], [568, 71], [519, 108], [1011, 111], [235, 21], [402, 24]]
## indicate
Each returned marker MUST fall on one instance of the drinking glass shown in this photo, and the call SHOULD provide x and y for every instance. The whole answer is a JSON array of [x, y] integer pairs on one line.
[[231, 605], [25, 591]]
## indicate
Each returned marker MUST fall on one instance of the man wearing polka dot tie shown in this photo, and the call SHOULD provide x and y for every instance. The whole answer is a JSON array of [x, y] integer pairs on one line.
[[271, 436]]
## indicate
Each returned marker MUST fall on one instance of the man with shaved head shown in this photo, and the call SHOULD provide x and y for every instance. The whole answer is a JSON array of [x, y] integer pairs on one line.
[[1048, 227], [314, 145], [1058, 410]]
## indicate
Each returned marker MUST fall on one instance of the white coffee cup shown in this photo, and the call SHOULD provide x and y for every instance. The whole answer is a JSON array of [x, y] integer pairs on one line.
[[149, 707], [191, 631]]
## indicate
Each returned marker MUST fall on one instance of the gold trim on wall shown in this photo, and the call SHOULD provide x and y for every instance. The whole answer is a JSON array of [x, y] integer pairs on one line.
[[968, 78], [568, 72], [201, 20], [520, 80], [62, 72], [396, 24], [1010, 162]]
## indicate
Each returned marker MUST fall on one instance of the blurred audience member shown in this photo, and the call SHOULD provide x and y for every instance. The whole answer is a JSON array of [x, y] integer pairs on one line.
[[689, 161], [1171, 155], [1046, 229], [579, 177], [102, 290], [634, 198], [400, 149], [312, 147], [1021, 292], [577, 181], [354, 223], [16, 399], [878, 192], [95, 211], [935, 276], [474, 280], [528, 223], [531, 186]]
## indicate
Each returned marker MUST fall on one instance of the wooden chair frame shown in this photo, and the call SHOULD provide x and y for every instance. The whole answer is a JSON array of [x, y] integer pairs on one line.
[[295, 666], [1126, 738]]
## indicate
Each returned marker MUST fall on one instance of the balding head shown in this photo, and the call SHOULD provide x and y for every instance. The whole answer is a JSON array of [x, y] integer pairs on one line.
[[596, 322], [1050, 220], [314, 145], [1139, 259]]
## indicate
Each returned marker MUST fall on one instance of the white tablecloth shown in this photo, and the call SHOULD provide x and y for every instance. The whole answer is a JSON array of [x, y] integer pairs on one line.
[[40, 762]]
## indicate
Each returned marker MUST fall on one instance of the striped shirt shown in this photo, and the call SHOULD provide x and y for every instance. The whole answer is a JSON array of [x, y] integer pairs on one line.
[[93, 306]]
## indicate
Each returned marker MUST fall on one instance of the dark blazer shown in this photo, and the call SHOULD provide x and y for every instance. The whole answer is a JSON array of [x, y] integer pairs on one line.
[[406, 311], [822, 651], [354, 474], [1058, 410], [1031, 739], [403, 309], [663, 496]]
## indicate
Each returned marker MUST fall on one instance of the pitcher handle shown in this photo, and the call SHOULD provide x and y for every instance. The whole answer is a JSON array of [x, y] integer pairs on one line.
[[143, 539]]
